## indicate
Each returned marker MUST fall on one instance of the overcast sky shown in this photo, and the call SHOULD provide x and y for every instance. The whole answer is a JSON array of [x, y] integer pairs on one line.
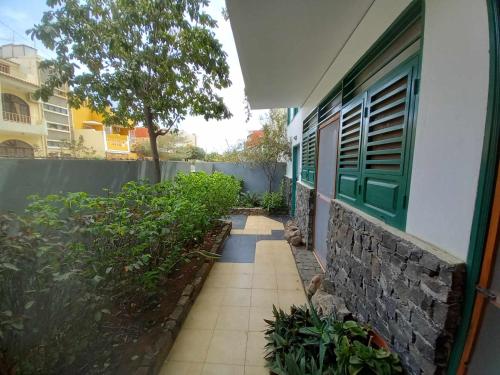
[[17, 16]]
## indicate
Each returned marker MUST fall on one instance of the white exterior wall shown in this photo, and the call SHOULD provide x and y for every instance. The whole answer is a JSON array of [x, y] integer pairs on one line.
[[379, 17], [451, 114], [450, 124], [294, 133]]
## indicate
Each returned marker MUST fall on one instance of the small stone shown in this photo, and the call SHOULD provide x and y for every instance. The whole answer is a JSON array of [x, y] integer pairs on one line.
[[314, 285], [296, 241]]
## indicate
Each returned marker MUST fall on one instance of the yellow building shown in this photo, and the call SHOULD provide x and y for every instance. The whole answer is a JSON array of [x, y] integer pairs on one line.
[[23, 129], [110, 142]]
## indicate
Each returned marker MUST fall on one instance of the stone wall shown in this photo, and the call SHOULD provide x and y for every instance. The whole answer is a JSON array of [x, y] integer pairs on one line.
[[304, 213], [287, 192], [408, 291]]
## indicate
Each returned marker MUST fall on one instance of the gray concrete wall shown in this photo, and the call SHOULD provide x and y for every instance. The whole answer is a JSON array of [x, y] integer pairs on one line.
[[20, 178]]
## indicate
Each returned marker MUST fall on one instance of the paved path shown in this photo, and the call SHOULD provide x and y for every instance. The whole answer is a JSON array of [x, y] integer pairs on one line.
[[223, 333]]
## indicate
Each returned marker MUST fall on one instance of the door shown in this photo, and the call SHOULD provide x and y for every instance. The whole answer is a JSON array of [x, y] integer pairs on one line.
[[295, 173], [480, 356], [325, 185]]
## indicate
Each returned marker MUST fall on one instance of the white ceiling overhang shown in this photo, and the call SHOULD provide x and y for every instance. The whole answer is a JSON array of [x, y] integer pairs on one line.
[[286, 46]]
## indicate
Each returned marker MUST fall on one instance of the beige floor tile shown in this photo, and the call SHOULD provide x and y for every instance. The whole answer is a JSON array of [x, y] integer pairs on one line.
[[218, 280], [289, 281], [237, 297], [255, 349], [262, 267], [191, 345], [181, 368], [264, 298], [202, 316], [287, 298], [264, 281], [242, 267], [256, 370], [210, 296], [233, 318], [287, 268], [242, 280], [227, 347], [222, 268], [218, 369], [257, 316]]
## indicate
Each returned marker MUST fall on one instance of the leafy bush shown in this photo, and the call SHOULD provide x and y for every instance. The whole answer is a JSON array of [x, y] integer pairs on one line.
[[274, 202], [73, 257], [302, 343], [249, 200]]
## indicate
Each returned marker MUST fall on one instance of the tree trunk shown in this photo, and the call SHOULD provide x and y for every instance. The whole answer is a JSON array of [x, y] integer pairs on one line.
[[154, 146]]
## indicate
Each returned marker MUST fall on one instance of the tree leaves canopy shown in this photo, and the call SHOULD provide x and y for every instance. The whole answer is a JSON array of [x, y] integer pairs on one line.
[[135, 61]]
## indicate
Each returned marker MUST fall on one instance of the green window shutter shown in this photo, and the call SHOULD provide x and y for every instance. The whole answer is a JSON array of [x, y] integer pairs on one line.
[[349, 158], [386, 145], [309, 139], [375, 146]]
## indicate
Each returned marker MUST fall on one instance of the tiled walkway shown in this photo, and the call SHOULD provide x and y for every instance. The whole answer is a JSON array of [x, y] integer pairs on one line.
[[223, 333]]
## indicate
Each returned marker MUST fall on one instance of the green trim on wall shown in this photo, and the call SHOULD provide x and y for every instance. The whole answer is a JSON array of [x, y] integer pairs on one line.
[[486, 185]]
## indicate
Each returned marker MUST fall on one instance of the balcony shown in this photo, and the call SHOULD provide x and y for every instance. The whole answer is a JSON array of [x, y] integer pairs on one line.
[[117, 143], [16, 117], [16, 123]]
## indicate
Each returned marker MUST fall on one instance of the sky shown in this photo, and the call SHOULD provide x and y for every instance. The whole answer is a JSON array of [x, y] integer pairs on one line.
[[18, 16]]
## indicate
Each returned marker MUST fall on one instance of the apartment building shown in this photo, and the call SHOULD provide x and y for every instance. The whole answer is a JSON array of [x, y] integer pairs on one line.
[[30, 128], [106, 142], [23, 129]]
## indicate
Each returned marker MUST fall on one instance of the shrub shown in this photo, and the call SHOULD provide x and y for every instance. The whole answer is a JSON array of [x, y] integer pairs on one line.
[[302, 343], [72, 258], [249, 200], [274, 202]]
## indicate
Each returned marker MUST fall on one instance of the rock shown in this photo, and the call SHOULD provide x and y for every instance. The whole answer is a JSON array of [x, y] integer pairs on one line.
[[296, 240], [323, 302], [314, 285], [327, 304], [291, 233]]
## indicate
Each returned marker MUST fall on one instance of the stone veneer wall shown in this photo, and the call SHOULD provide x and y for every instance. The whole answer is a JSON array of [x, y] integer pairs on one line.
[[287, 192], [411, 294], [304, 213]]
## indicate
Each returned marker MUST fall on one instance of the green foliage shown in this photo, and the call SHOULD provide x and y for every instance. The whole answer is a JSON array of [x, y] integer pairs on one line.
[[301, 343], [272, 148], [249, 200], [136, 61], [195, 153], [72, 258], [274, 202]]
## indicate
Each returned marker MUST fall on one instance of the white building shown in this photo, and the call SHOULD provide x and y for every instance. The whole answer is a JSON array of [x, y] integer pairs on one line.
[[394, 123]]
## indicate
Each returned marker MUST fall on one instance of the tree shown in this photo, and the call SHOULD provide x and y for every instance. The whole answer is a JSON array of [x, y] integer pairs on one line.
[[272, 148], [136, 61], [195, 153]]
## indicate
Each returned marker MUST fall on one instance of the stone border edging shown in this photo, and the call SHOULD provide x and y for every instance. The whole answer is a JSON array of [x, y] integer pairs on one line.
[[306, 263], [152, 362], [250, 211]]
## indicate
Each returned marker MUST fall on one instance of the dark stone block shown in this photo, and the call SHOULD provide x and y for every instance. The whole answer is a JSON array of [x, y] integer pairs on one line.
[[409, 295], [423, 325], [403, 249], [389, 241], [430, 262]]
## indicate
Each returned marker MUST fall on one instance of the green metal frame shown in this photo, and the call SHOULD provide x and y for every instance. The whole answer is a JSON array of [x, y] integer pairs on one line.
[[351, 182], [290, 114], [486, 185]]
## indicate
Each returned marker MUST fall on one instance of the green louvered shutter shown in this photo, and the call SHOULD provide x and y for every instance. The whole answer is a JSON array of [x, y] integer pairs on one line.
[[386, 145], [349, 158], [309, 133]]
